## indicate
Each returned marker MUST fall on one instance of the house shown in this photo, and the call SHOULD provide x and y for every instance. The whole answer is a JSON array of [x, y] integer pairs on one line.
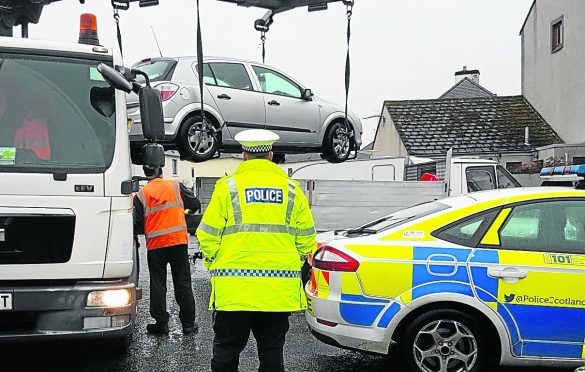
[[468, 118], [553, 64]]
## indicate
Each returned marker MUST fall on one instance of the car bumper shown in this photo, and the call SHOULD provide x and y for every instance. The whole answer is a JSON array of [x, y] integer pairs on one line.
[[60, 312], [368, 339]]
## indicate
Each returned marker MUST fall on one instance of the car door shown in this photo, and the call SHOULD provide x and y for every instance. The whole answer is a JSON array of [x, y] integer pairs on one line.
[[296, 120], [530, 269], [240, 105]]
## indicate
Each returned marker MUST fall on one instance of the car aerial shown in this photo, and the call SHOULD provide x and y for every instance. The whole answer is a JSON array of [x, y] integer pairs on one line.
[[460, 284], [241, 95]]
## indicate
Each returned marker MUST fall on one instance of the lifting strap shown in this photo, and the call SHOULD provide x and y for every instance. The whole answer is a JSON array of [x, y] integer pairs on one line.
[[348, 131], [116, 6], [263, 39], [206, 127]]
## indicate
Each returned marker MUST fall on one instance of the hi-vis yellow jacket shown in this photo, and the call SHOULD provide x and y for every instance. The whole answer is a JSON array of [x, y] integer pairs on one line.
[[254, 235]]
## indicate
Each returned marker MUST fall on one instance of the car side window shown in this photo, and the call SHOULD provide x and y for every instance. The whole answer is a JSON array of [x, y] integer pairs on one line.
[[208, 77], [480, 178], [468, 231], [552, 226], [504, 180], [230, 75], [275, 83]]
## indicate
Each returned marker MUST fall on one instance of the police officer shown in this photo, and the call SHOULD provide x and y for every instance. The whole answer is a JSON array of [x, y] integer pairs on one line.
[[254, 235], [159, 210]]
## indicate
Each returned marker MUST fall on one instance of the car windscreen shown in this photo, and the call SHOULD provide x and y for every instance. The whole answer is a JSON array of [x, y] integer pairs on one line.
[[398, 218], [157, 70], [56, 115]]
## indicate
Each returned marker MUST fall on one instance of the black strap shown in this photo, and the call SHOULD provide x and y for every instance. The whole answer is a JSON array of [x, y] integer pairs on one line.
[[119, 33], [263, 39], [349, 5], [200, 73]]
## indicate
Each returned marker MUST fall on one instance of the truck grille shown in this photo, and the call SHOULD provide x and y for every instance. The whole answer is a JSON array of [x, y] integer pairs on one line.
[[36, 239]]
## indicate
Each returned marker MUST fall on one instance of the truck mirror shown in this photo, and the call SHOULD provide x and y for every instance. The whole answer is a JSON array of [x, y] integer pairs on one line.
[[154, 155], [114, 78], [151, 113]]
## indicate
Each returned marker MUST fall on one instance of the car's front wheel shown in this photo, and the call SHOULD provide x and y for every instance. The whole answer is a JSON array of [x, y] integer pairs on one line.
[[338, 143], [194, 143], [445, 341]]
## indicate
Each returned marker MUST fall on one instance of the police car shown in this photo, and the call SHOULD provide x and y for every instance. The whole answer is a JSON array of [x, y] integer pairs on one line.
[[460, 284]]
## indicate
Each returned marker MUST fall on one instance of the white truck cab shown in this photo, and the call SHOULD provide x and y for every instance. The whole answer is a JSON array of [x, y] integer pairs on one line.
[[67, 266]]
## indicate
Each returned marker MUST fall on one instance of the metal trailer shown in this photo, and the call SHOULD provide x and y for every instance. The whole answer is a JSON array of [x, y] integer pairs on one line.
[[343, 204]]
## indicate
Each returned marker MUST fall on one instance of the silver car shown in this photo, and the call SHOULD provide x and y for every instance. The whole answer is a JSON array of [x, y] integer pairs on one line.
[[242, 95]]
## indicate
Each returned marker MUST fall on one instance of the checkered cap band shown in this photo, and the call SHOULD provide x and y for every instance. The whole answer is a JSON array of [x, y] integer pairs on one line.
[[257, 149], [256, 273]]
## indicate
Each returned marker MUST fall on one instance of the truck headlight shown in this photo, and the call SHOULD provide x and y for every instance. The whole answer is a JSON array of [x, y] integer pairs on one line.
[[109, 298]]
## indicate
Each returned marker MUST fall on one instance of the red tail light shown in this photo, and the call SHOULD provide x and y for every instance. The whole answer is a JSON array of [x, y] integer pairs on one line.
[[331, 259], [167, 91]]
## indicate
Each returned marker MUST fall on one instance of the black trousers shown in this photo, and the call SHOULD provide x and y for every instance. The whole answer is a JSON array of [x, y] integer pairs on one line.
[[158, 259], [232, 330]]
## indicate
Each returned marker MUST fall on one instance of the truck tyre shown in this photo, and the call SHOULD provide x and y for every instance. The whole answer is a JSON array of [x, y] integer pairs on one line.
[[337, 145], [122, 345], [445, 341], [190, 135]]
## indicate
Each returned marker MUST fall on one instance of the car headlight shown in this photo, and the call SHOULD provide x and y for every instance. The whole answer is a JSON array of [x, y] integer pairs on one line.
[[109, 298]]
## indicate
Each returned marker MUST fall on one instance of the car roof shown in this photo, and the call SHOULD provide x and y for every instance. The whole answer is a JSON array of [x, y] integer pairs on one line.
[[515, 193]]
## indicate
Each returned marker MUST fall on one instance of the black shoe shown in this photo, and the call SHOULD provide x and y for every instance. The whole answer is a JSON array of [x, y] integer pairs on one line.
[[158, 328], [190, 329]]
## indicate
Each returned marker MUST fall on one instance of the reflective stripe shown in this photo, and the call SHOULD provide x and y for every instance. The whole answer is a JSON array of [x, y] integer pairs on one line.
[[235, 201], [142, 199], [261, 228], [210, 230], [256, 273], [306, 232], [154, 234], [291, 201], [177, 203], [252, 227]]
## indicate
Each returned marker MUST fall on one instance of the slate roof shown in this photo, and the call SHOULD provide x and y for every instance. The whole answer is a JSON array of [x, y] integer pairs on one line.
[[470, 126], [466, 88]]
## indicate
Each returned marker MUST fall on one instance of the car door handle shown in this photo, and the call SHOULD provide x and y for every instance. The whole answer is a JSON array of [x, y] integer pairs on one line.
[[508, 274], [224, 96], [274, 103]]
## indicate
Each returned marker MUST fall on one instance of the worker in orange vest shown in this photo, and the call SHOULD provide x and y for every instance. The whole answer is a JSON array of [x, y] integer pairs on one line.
[[159, 212], [33, 133]]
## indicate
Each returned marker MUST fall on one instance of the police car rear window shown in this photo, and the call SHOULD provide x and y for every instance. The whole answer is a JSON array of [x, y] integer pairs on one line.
[[404, 216]]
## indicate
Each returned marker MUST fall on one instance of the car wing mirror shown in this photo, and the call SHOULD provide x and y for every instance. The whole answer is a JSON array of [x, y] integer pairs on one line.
[[307, 95]]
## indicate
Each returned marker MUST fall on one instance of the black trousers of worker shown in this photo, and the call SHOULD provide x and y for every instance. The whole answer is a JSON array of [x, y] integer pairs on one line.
[[232, 330], [158, 259]]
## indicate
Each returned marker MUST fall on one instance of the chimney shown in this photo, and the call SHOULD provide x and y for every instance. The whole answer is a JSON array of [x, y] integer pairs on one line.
[[473, 75]]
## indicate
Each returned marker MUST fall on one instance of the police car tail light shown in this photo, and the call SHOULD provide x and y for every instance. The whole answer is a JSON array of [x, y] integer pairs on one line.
[[167, 91], [331, 259]]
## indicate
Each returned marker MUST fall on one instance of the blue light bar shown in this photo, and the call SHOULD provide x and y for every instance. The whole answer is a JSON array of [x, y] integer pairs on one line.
[[578, 170]]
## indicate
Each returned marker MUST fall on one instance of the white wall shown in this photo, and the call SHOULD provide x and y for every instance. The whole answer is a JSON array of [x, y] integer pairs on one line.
[[554, 83], [387, 141]]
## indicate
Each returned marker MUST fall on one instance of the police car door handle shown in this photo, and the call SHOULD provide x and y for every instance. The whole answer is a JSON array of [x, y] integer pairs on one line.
[[508, 274]]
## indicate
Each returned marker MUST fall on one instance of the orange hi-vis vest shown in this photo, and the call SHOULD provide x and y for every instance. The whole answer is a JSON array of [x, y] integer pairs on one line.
[[164, 215], [33, 135]]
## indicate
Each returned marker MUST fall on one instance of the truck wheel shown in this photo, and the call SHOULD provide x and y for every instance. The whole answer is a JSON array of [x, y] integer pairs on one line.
[[444, 341], [191, 136], [337, 144], [122, 344]]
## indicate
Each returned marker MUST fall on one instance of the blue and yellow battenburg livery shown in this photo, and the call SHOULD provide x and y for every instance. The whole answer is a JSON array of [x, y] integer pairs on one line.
[[513, 260]]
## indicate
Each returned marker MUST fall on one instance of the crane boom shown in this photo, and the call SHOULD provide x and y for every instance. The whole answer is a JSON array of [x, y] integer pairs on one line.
[[23, 12]]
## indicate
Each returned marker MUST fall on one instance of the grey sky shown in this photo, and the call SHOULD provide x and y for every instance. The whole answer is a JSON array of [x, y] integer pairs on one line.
[[401, 49]]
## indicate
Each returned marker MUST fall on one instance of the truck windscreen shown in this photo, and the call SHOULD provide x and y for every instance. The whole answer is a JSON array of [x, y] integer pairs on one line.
[[56, 115]]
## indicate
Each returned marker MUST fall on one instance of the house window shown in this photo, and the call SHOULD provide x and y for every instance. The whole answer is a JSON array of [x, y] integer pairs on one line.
[[514, 166], [578, 160], [558, 35], [174, 164]]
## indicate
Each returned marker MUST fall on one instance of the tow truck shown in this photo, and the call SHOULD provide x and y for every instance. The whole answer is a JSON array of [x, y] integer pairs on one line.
[[68, 264]]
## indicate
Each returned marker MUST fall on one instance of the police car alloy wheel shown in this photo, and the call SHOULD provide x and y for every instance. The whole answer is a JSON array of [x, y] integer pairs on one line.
[[444, 341]]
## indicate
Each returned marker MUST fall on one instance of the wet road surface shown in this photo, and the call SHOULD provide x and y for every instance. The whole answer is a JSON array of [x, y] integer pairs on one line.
[[176, 352]]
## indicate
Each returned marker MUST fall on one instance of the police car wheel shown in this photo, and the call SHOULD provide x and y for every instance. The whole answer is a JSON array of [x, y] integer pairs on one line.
[[337, 144], [195, 144], [444, 341]]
